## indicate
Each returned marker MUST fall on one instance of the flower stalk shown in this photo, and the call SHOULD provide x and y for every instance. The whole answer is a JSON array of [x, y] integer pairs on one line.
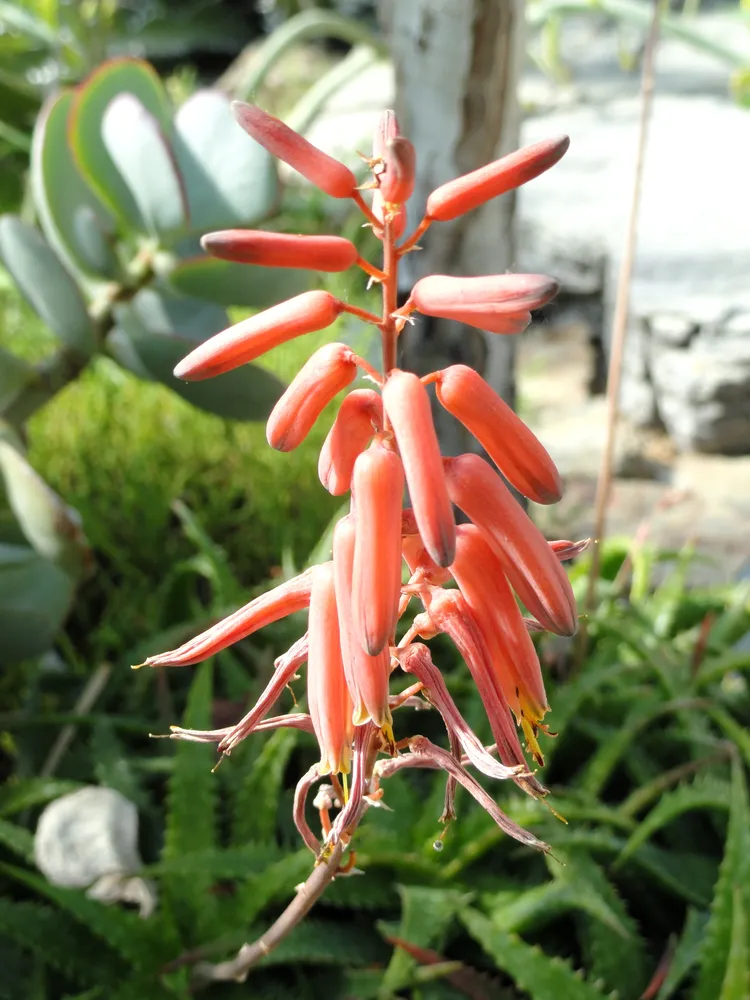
[[384, 555]]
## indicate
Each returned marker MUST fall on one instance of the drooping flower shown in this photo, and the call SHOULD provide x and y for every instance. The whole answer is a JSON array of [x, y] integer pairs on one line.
[[469, 579]]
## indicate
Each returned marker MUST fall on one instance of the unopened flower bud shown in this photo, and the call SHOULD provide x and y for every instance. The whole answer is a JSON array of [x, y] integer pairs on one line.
[[247, 246], [319, 168], [360, 416], [503, 435], [408, 407], [471, 190], [378, 486], [249, 339], [328, 371], [530, 564]]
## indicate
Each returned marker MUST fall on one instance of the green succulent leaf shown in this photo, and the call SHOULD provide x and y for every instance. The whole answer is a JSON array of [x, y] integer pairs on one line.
[[46, 285], [686, 954], [15, 375], [230, 179], [426, 915], [73, 219], [58, 943], [230, 284], [112, 78], [49, 525], [140, 151], [725, 969], [532, 971], [29, 792], [17, 839], [257, 798], [35, 597]]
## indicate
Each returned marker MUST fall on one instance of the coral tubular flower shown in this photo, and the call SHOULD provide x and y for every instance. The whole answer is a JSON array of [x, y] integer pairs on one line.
[[480, 577], [468, 192], [247, 246], [408, 407], [327, 372], [291, 596], [283, 142], [531, 566], [327, 692], [504, 436], [448, 612], [471, 580], [378, 486], [367, 676], [249, 339], [359, 418]]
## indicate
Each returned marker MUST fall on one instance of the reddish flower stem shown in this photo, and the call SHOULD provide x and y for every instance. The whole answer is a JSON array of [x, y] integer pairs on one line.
[[390, 300]]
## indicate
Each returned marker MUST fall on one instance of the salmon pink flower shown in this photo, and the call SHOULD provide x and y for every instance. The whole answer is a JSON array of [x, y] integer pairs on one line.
[[469, 579]]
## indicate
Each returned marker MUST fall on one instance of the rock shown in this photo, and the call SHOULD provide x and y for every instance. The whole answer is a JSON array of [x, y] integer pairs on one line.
[[687, 365], [90, 839]]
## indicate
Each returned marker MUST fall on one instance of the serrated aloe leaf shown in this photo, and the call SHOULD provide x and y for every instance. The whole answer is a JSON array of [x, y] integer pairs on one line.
[[45, 284], [542, 977], [74, 221], [15, 375], [703, 793], [231, 180], [426, 915], [49, 525], [140, 151], [256, 802], [91, 99], [35, 597], [686, 954], [724, 972], [230, 284]]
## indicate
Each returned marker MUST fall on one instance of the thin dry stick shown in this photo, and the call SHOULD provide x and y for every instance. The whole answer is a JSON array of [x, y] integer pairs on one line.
[[89, 696], [619, 326]]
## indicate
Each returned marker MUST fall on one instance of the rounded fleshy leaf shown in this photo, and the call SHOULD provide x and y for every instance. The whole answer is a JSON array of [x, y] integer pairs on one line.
[[360, 416], [504, 436], [74, 221], [141, 153], [230, 179], [407, 405], [45, 284], [229, 284], [472, 190], [35, 598], [533, 569], [15, 375], [52, 527], [327, 694], [246, 246], [92, 97], [251, 338], [330, 370], [378, 486], [319, 168]]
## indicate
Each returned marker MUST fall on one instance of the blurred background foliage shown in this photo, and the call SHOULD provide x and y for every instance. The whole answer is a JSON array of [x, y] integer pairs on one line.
[[132, 517]]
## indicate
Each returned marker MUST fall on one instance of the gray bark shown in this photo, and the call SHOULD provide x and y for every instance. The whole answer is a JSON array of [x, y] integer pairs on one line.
[[457, 65]]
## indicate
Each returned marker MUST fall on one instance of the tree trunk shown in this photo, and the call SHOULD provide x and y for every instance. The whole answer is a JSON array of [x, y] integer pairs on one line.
[[457, 65]]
